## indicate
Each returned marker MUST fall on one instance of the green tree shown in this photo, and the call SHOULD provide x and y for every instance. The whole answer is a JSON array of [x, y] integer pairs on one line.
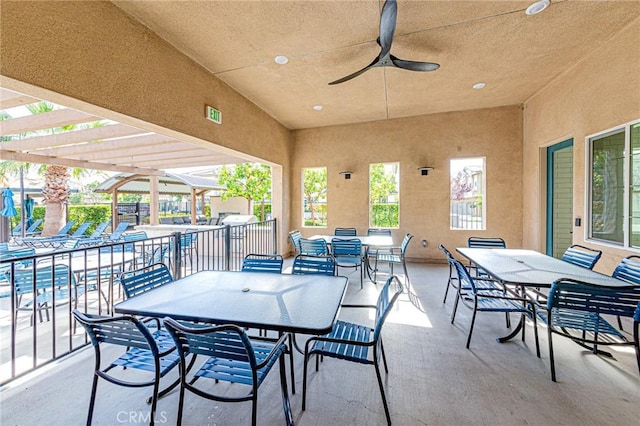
[[251, 181], [315, 190]]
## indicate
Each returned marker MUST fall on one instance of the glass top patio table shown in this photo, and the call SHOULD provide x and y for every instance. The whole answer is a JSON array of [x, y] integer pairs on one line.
[[307, 304], [530, 268], [367, 240]]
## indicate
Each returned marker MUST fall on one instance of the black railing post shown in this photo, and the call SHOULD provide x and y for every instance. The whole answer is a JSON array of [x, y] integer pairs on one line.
[[177, 259], [274, 234], [227, 247]]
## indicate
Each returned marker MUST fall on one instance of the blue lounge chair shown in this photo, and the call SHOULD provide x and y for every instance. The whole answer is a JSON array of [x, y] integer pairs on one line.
[[115, 236]]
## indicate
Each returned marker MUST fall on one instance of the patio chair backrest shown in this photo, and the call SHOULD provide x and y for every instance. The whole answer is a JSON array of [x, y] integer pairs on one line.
[[81, 229], [118, 232], [346, 247], [228, 342], [446, 252], [628, 269], [122, 331], [145, 279], [97, 233], [405, 243], [295, 236], [379, 231], [33, 227], [390, 292], [582, 256], [46, 278], [345, 232], [262, 263], [486, 242], [313, 265], [576, 295], [463, 275], [66, 228], [314, 247]]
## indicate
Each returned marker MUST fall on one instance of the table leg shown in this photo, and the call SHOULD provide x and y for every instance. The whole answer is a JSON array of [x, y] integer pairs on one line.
[[515, 331], [286, 404]]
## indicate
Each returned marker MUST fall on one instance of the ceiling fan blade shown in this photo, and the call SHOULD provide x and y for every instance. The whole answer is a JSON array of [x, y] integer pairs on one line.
[[414, 65], [376, 62], [387, 26]]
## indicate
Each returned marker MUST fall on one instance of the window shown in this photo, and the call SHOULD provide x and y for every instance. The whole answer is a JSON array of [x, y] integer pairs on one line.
[[384, 195], [614, 206], [468, 204], [314, 197]]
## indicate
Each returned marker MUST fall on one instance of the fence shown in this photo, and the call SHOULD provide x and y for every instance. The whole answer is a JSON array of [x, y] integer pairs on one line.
[[466, 215], [36, 325]]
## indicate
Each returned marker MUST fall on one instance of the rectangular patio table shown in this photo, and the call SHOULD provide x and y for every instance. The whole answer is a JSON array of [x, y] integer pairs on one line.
[[530, 269], [368, 241], [307, 304]]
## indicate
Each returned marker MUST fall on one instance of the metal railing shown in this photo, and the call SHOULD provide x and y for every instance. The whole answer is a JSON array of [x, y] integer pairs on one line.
[[36, 325], [466, 215]]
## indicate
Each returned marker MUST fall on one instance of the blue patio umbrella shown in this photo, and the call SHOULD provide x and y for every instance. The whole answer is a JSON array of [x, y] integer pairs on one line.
[[28, 211], [9, 208]]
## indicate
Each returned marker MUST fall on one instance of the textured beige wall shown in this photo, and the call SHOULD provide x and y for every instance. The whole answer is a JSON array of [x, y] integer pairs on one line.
[[94, 53], [424, 200], [601, 92]]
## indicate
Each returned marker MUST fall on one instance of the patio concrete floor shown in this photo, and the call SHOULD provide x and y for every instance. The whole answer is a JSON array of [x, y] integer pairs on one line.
[[432, 379]]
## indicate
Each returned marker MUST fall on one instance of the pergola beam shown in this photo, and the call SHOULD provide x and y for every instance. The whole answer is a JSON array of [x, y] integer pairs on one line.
[[9, 99], [135, 142], [69, 138], [45, 120], [41, 159]]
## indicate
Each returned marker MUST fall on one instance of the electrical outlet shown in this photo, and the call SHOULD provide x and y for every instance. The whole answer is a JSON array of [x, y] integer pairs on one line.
[[424, 243]]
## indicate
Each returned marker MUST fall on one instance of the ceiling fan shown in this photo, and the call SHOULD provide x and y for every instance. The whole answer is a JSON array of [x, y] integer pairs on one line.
[[385, 58]]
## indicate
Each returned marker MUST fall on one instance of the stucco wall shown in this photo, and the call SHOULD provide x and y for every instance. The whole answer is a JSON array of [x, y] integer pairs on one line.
[[424, 200], [601, 92], [117, 68]]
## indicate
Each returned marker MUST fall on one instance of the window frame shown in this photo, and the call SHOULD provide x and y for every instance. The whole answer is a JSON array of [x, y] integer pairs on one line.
[[370, 204], [303, 199], [627, 170], [484, 217]]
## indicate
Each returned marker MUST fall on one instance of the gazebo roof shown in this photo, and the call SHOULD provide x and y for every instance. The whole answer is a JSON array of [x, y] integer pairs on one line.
[[171, 183]]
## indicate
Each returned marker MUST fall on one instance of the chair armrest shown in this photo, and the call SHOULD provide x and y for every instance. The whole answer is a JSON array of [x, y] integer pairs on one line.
[[281, 341], [346, 305]]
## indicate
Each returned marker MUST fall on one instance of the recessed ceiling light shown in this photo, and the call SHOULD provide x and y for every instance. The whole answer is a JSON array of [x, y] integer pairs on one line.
[[318, 107], [479, 86], [281, 59], [537, 7]]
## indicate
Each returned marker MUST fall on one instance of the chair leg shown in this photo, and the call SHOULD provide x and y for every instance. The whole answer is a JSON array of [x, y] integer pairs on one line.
[[636, 338], [92, 400], [406, 275], [304, 380], [620, 323], [254, 407], [384, 357], [381, 385], [552, 364], [473, 320], [455, 306], [446, 291]]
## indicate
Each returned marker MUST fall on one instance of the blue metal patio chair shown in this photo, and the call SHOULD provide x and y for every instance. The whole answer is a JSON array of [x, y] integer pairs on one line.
[[262, 263], [628, 270], [317, 247], [372, 252], [347, 253], [582, 256], [345, 232], [394, 256], [489, 300], [46, 288], [153, 352], [354, 342], [295, 236], [114, 237], [99, 231], [313, 265], [145, 279], [484, 242], [575, 309], [231, 357]]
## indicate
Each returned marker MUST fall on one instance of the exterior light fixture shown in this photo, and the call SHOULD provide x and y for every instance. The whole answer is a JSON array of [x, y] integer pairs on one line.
[[424, 171], [347, 175], [537, 7], [281, 59]]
